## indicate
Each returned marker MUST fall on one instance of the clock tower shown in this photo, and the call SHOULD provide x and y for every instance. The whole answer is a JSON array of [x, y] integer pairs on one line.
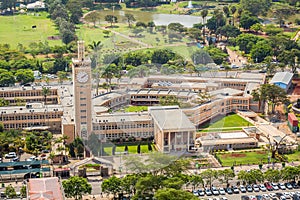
[[82, 87]]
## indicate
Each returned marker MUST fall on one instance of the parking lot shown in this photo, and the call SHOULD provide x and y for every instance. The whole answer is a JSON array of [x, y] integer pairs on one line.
[[252, 192]]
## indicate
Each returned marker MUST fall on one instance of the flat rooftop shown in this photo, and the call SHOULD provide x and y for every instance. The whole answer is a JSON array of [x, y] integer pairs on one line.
[[232, 135], [36, 108]]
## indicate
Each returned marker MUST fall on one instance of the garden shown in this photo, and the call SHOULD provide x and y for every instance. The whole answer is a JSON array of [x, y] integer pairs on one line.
[[131, 148], [242, 157]]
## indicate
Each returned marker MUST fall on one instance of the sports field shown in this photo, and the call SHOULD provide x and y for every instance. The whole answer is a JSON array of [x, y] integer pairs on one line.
[[19, 29]]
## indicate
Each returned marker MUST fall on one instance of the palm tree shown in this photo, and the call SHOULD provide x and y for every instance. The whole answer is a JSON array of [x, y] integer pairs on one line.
[[233, 10], [45, 93], [204, 14], [96, 46]]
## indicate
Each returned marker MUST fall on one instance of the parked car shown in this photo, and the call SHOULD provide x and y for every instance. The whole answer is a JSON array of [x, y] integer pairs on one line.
[[288, 186], [215, 191], [229, 190], [16, 159], [201, 192], [244, 197], [275, 186], [266, 196], [259, 197], [208, 192], [249, 188], [268, 186], [222, 191], [282, 186], [294, 185], [243, 189], [195, 193], [235, 190], [11, 155], [286, 195], [262, 188], [252, 197], [272, 195], [223, 198], [255, 188]]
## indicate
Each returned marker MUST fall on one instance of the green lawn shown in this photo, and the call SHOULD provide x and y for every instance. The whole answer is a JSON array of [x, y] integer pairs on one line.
[[293, 157], [136, 108], [244, 158], [132, 149], [233, 121], [17, 29]]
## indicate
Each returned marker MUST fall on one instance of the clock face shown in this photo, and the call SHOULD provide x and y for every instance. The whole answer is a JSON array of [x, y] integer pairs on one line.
[[82, 77]]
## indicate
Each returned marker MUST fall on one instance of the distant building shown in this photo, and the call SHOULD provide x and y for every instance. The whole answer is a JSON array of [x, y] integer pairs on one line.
[[282, 79]]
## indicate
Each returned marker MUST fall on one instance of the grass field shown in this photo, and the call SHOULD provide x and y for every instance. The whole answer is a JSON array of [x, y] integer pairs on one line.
[[293, 157], [229, 122], [237, 158], [132, 149], [136, 108], [18, 29]]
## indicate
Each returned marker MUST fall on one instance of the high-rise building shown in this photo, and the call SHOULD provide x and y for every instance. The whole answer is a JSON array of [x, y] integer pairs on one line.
[[81, 67]]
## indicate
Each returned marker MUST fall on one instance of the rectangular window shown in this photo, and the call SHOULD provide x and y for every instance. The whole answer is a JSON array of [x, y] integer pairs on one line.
[[83, 117], [83, 104], [83, 98], [82, 111]]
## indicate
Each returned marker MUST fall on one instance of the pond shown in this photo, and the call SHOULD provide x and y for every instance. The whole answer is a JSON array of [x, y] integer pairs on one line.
[[158, 19]]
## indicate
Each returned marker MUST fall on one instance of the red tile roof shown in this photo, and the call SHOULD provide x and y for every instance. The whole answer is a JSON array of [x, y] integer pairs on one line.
[[45, 189]]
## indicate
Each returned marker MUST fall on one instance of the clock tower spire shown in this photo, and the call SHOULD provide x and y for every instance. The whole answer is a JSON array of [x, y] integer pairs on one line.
[[82, 87]]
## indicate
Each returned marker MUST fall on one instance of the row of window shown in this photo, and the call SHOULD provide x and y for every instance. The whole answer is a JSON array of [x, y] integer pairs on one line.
[[121, 126], [27, 93], [30, 117], [126, 135], [25, 125]]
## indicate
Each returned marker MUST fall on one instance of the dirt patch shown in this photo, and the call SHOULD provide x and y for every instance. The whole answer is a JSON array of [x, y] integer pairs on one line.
[[234, 155], [53, 38], [260, 152]]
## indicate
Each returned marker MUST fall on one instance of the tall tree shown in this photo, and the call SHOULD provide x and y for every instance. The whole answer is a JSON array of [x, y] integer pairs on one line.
[[112, 185], [272, 175], [130, 19], [111, 19], [173, 194], [93, 17], [209, 175], [76, 186], [271, 93], [233, 11]]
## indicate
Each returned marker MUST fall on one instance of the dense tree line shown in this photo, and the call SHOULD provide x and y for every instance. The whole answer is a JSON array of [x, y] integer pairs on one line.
[[16, 67], [161, 174]]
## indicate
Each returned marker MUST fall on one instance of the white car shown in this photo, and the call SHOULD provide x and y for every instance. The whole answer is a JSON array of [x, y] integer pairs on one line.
[[255, 188], [275, 186], [11, 155], [266, 196], [287, 195], [222, 191], [243, 189], [223, 198], [282, 186], [272, 195], [262, 188], [215, 191], [208, 192]]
